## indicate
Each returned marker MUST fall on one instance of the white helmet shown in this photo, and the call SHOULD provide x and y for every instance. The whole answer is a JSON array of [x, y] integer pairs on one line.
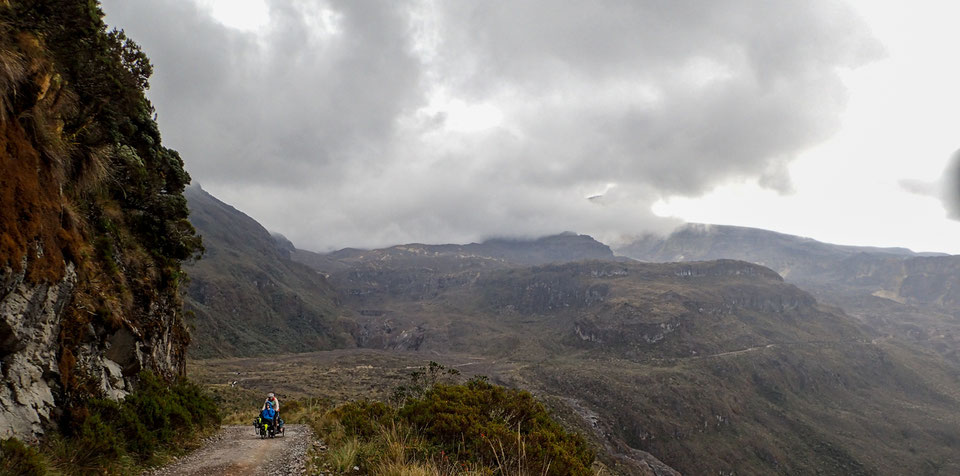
[[270, 395]]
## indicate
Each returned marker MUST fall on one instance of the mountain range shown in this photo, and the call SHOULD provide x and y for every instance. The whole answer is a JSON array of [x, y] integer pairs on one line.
[[893, 292], [694, 366]]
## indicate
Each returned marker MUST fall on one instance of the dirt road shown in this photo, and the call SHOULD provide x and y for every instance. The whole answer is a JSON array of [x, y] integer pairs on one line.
[[237, 451]]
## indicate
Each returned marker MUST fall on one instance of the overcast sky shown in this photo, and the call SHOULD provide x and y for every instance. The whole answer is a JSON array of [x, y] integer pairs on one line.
[[361, 123]]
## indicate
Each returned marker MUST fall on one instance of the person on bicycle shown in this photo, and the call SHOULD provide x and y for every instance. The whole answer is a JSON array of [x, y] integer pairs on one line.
[[273, 403]]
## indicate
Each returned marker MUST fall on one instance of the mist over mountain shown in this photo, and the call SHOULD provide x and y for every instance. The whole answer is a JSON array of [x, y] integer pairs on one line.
[[510, 114], [672, 365]]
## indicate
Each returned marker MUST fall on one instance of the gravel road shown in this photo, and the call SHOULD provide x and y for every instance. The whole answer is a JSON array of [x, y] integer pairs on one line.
[[237, 451]]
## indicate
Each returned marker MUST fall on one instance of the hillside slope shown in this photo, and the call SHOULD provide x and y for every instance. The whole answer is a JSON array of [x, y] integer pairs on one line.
[[247, 296], [92, 221]]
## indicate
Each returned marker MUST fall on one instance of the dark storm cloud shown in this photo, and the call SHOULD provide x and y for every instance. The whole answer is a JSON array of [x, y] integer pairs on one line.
[[337, 124], [283, 107]]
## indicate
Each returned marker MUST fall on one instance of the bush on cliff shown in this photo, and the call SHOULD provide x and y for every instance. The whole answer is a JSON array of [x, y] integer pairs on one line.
[[20, 459], [156, 416], [108, 437]]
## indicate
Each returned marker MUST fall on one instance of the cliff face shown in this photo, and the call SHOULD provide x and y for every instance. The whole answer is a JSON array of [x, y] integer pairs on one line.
[[92, 220], [29, 327]]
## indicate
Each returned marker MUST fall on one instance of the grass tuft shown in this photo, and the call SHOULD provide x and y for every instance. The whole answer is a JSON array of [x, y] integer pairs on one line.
[[344, 457]]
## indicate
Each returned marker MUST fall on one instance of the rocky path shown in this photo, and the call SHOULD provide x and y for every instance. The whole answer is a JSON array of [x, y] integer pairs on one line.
[[237, 451]]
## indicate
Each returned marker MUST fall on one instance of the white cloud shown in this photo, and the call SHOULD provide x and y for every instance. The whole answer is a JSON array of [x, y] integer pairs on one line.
[[342, 123]]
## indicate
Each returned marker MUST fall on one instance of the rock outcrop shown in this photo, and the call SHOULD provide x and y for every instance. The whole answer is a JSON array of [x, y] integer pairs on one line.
[[29, 329], [93, 223]]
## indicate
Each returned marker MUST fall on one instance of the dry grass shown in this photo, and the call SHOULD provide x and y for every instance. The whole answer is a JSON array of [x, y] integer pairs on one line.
[[407, 469], [12, 73], [398, 450], [31, 210], [343, 458]]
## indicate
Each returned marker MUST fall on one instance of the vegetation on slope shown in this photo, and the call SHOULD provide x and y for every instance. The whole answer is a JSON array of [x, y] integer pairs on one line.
[[89, 195], [435, 426], [248, 297], [109, 437], [86, 180], [710, 366]]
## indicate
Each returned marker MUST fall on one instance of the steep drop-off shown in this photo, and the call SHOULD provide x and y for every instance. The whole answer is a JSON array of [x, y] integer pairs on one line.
[[92, 221]]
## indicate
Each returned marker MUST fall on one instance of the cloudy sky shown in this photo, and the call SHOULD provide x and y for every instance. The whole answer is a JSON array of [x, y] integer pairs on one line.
[[362, 123]]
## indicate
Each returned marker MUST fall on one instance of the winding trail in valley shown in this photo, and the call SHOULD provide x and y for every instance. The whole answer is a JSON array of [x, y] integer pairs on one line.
[[237, 451]]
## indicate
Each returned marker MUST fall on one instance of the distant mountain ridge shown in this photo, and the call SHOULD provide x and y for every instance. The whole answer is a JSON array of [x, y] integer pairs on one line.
[[560, 248], [798, 259], [893, 291], [790, 255]]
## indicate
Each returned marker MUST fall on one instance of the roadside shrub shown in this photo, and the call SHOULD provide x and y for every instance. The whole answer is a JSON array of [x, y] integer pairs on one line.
[[364, 418], [17, 458], [98, 439], [475, 427], [344, 457], [494, 425], [156, 415]]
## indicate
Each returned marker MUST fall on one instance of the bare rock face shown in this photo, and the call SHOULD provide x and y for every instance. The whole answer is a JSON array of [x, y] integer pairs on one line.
[[31, 388], [29, 327]]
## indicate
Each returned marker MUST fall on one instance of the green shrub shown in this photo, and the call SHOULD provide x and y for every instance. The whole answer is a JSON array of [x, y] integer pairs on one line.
[[477, 425], [156, 415], [344, 457], [364, 418], [96, 441], [494, 425], [17, 458]]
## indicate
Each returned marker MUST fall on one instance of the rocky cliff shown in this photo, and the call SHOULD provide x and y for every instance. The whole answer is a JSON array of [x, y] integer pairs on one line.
[[92, 221]]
